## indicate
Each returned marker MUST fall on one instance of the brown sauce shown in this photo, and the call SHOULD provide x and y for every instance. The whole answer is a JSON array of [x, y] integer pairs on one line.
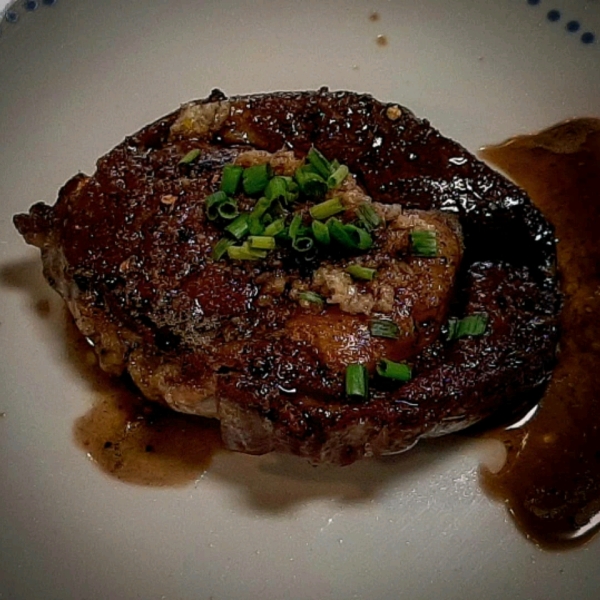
[[134, 440], [551, 479]]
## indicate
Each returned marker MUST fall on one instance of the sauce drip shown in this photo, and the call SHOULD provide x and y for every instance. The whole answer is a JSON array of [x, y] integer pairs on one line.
[[134, 440], [551, 480]]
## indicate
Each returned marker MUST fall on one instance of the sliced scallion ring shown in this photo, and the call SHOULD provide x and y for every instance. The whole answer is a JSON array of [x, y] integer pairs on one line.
[[393, 370], [360, 272], [357, 381]]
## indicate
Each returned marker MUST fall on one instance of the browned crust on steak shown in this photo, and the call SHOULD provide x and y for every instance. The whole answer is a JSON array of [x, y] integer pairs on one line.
[[129, 250]]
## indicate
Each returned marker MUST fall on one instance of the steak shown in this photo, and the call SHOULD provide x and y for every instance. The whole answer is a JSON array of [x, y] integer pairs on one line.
[[265, 344]]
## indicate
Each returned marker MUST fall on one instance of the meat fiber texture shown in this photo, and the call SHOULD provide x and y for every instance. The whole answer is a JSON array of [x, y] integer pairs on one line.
[[130, 251]]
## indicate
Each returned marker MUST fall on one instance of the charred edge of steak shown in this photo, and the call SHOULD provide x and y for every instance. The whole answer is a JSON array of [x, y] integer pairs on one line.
[[131, 268]]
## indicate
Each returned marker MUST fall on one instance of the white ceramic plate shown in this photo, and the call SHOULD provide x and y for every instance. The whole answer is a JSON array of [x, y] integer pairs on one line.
[[76, 76]]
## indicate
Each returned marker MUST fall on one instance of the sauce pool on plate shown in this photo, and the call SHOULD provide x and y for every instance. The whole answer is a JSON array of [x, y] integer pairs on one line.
[[551, 480], [134, 440]]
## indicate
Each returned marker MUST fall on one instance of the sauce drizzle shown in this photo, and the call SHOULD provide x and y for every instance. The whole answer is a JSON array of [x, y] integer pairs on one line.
[[135, 440], [551, 480]]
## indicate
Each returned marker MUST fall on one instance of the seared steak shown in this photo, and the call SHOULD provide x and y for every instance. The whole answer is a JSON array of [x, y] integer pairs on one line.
[[264, 344]]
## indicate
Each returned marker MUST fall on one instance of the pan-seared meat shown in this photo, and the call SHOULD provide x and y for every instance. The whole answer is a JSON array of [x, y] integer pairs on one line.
[[264, 344]]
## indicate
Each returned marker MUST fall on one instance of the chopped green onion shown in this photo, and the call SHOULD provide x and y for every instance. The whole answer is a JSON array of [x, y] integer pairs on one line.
[[221, 248], [310, 183], [262, 242], [311, 297], [190, 157], [337, 177], [338, 232], [212, 203], [228, 210], [261, 207], [357, 381], [320, 232], [239, 227], [255, 225], [361, 238], [275, 228], [393, 370], [295, 225], [245, 252], [256, 178], [327, 209], [424, 243], [230, 181], [277, 189], [215, 198], [360, 272], [471, 325], [349, 236], [384, 328], [335, 165], [368, 217], [302, 243], [242, 253], [319, 163]]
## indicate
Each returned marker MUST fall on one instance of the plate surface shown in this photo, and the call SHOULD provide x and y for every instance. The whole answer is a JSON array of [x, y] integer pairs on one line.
[[76, 77]]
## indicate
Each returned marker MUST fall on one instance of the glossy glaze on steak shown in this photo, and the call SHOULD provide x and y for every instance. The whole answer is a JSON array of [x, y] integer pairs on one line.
[[129, 249]]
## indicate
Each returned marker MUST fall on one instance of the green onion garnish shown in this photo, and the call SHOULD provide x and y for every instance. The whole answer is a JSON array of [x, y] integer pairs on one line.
[[393, 370], [338, 232], [362, 239], [228, 210], [239, 227], [221, 248], [357, 381], [255, 225], [230, 181], [275, 228], [213, 202], [215, 198], [256, 178], [277, 189], [310, 183], [262, 242], [424, 243], [349, 236], [311, 297], [360, 272], [384, 328], [337, 177], [242, 253], [368, 217], [320, 232], [319, 163], [471, 325], [245, 252], [261, 207], [295, 225], [302, 243], [190, 157], [327, 209]]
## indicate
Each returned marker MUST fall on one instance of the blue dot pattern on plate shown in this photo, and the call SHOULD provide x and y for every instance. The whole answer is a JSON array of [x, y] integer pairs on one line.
[[572, 26], [12, 15]]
